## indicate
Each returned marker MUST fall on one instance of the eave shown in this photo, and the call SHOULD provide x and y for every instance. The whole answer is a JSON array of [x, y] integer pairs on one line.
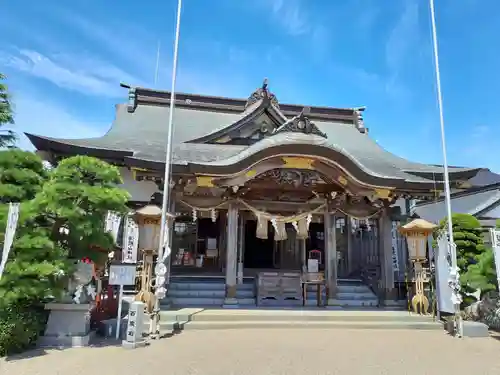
[[64, 147]]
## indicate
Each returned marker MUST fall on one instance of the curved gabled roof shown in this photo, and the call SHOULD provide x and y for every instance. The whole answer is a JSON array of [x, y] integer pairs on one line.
[[138, 137]]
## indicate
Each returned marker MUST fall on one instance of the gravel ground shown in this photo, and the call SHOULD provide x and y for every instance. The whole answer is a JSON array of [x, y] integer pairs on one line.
[[275, 351]]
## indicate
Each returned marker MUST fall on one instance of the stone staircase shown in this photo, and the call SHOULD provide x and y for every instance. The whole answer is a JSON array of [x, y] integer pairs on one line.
[[222, 319], [209, 292]]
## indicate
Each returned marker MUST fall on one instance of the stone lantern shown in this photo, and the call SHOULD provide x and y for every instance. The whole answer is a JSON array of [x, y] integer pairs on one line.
[[417, 233]]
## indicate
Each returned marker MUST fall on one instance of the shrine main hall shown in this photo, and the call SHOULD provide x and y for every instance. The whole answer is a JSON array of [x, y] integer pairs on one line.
[[261, 186]]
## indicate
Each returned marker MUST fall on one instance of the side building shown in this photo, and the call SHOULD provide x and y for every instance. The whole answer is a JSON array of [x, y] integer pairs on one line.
[[248, 174]]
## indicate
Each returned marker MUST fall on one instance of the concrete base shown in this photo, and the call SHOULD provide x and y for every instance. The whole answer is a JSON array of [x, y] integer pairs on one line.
[[389, 294], [107, 328], [230, 303], [394, 303], [68, 326], [133, 345], [475, 329], [332, 302]]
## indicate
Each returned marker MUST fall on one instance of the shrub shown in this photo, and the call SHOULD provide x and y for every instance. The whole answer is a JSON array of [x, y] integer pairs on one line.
[[467, 234], [20, 325]]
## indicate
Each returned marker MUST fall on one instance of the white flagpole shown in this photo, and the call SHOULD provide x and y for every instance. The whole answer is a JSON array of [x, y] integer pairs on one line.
[[161, 269], [454, 274]]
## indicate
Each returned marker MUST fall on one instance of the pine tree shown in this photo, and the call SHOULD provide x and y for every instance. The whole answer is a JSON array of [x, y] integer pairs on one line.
[[483, 275], [34, 260], [77, 197], [467, 234], [7, 136]]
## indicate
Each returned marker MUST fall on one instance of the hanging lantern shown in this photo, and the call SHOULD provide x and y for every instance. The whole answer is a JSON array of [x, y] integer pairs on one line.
[[416, 233], [149, 221]]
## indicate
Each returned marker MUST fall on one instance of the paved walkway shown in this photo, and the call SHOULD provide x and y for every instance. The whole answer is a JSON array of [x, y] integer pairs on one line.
[[290, 352]]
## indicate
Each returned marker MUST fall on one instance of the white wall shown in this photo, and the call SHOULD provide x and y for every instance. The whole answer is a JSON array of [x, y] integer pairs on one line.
[[139, 190]]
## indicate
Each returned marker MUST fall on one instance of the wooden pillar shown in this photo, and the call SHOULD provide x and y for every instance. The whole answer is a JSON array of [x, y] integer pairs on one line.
[[222, 240], [330, 256], [388, 290], [231, 254], [350, 252], [303, 255], [241, 243]]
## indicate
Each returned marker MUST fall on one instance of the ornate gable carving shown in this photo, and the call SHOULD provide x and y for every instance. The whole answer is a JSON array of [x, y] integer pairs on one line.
[[260, 94], [291, 177], [301, 124]]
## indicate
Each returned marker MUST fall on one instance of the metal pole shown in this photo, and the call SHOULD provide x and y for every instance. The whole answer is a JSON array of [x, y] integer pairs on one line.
[[454, 267], [160, 270]]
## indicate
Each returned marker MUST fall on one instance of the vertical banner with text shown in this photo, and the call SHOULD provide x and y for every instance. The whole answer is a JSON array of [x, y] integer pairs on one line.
[[495, 243], [10, 232]]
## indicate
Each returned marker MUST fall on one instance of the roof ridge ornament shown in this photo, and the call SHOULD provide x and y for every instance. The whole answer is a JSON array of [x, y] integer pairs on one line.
[[359, 121], [301, 124], [132, 97], [262, 93]]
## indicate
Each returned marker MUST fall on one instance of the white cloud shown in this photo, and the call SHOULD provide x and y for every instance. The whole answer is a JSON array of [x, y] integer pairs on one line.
[[403, 37], [291, 15], [78, 73], [40, 116]]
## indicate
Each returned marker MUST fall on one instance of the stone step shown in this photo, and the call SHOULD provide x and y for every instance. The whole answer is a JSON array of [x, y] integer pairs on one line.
[[353, 289], [294, 324], [206, 286], [295, 314], [209, 301], [203, 293], [370, 302]]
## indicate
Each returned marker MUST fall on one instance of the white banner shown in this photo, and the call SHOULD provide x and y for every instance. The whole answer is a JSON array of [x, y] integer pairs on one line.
[[495, 243], [395, 255], [10, 232], [442, 262], [112, 224], [130, 240]]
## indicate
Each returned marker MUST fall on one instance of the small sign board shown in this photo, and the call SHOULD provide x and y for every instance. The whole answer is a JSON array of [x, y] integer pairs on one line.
[[122, 274], [312, 265]]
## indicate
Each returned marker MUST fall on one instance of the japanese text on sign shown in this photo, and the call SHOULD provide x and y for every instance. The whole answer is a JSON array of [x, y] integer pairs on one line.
[[122, 274]]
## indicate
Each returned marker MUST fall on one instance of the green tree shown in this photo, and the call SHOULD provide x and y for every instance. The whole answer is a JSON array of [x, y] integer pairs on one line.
[[22, 175], [35, 261], [23, 286], [79, 193], [7, 136], [483, 275], [467, 234], [75, 195]]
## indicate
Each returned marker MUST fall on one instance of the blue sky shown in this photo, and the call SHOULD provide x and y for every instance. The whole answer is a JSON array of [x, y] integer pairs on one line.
[[64, 61]]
